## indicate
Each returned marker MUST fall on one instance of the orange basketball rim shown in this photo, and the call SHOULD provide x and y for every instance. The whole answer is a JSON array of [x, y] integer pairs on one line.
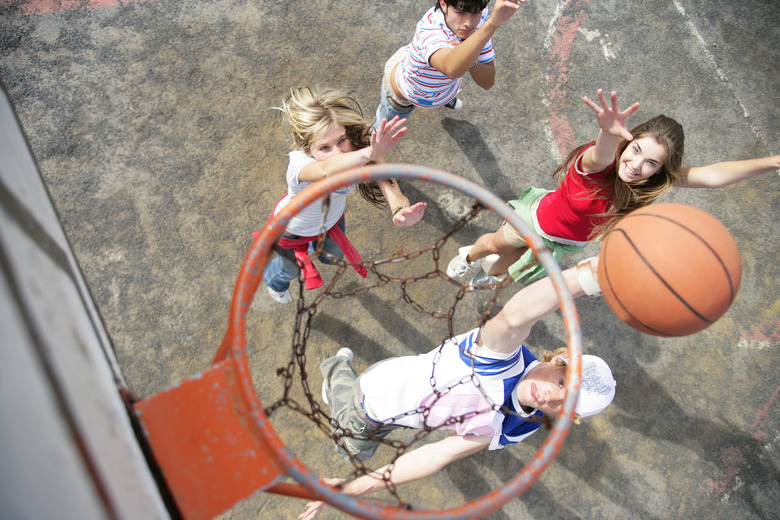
[[215, 445]]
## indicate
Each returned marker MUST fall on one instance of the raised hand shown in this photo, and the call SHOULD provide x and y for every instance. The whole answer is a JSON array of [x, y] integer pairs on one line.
[[504, 9], [384, 138], [315, 508], [312, 510], [611, 119], [410, 215]]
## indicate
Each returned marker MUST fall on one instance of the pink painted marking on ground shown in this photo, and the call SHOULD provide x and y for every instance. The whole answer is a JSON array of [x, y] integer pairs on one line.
[[734, 460], [764, 424], [58, 6], [761, 335], [560, 50]]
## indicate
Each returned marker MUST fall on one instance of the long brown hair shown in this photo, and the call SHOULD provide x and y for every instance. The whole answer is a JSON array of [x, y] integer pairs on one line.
[[630, 196]]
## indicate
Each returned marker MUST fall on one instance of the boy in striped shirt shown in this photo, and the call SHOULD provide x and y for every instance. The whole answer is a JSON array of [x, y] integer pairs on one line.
[[454, 37]]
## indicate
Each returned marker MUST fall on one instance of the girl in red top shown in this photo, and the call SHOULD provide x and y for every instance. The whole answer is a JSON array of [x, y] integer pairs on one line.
[[600, 182]]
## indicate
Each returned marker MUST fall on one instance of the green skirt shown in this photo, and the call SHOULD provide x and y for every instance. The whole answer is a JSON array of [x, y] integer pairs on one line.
[[527, 268]]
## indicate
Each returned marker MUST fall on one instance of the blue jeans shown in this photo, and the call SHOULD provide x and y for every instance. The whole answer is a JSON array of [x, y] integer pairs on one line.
[[282, 269], [387, 110]]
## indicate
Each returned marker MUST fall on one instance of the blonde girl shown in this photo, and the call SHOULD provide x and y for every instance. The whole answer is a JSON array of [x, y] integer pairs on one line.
[[330, 136]]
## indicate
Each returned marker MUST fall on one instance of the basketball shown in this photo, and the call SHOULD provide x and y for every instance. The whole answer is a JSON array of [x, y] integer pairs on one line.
[[669, 269]]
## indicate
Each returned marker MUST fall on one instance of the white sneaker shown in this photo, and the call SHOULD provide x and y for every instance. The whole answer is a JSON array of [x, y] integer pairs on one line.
[[487, 263], [481, 280], [454, 104], [459, 267], [346, 352], [343, 352], [281, 297]]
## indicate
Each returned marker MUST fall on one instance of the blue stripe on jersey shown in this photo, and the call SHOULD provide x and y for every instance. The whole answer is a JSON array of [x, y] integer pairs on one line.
[[490, 366], [514, 428]]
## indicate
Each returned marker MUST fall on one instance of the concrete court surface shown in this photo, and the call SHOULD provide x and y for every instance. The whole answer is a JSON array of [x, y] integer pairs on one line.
[[151, 127]]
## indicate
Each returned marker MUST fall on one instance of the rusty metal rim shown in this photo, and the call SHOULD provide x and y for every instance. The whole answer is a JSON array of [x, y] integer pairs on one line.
[[234, 345]]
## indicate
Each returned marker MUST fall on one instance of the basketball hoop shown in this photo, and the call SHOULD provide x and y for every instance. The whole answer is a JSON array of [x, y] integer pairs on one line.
[[233, 347]]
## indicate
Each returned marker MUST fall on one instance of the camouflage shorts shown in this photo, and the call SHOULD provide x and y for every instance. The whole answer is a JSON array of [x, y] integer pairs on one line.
[[355, 433]]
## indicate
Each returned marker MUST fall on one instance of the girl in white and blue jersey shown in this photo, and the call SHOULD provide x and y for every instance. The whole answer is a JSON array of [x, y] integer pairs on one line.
[[483, 385], [461, 384]]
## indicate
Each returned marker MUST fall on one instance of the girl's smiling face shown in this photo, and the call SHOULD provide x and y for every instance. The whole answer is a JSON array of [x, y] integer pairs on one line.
[[642, 159], [332, 142]]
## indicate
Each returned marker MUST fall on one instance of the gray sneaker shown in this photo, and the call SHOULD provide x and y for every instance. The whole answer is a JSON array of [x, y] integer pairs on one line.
[[346, 352], [483, 281]]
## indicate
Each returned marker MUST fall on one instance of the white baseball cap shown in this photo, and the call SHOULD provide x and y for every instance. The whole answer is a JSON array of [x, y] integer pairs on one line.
[[597, 386]]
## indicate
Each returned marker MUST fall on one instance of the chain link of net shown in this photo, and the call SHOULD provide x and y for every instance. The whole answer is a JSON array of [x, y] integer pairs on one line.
[[305, 312]]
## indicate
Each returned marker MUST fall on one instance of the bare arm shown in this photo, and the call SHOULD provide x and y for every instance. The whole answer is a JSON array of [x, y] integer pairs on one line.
[[383, 140], [509, 328], [404, 213], [612, 126], [419, 463], [318, 170], [484, 74], [724, 173], [457, 61], [414, 465]]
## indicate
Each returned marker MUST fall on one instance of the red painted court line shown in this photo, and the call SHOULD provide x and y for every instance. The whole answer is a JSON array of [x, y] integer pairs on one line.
[[560, 50], [734, 460], [57, 6]]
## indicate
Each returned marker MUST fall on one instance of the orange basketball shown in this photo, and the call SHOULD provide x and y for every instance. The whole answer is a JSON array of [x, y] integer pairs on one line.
[[669, 269]]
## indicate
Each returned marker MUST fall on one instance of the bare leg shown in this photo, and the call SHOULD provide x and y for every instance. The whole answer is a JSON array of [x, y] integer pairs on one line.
[[495, 243], [501, 265]]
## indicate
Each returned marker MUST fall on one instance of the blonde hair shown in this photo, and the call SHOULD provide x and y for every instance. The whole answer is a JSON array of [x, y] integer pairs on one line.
[[311, 112], [630, 196], [549, 355]]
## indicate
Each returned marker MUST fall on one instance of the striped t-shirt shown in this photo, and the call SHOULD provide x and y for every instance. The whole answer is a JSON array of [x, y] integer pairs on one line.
[[418, 81]]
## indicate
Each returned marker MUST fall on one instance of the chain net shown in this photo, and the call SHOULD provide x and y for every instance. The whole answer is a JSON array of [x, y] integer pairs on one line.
[[380, 274]]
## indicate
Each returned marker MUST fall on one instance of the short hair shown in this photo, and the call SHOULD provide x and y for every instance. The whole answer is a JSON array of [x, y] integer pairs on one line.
[[468, 6]]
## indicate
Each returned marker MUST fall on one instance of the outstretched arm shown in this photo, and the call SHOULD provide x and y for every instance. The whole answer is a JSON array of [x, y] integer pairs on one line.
[[383, 140], [457, 61], [414, 465], [404, 213], [612, 124], [724, 173], [509, 328]]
